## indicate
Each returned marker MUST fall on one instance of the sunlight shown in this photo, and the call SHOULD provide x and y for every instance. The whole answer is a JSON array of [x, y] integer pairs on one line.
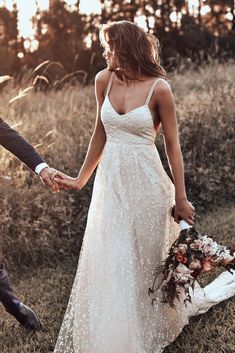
[[25, 14], [193, 7], [90, 6], [88, 40], [141, 21], [175, 16], [193, 3], [205, 9], [27, 11], [86, 7]]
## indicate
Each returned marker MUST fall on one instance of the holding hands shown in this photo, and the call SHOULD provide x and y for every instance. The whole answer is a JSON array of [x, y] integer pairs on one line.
[[66, 182], [57, 181], [46, 175]]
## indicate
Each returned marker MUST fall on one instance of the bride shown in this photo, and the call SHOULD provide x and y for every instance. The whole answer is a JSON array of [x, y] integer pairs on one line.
[[129, 225]]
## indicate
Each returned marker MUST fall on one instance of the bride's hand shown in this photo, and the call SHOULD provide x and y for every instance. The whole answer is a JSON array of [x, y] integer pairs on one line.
[[66, 182], [184, 210]]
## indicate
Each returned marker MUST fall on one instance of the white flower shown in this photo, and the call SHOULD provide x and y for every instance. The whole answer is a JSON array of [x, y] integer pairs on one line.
[[182, 248], [197, 245], [182, 274], [195, 264]]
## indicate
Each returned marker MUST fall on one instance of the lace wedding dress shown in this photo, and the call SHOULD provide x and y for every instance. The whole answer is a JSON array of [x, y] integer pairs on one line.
[[129, 230]]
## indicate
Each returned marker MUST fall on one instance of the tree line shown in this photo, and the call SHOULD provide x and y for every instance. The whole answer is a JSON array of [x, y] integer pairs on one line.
[[65, 35]]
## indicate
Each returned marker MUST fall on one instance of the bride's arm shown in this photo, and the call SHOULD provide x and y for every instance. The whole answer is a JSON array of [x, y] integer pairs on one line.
[[96, 143], [166, 108], [98, 137]]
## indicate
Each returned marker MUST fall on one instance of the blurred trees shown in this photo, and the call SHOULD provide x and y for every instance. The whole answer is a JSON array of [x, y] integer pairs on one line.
[[66, 35], [10, 43], [198, 33], [60, 33]]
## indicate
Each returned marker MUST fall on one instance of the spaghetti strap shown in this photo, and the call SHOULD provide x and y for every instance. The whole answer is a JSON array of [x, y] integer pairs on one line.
[[110, 82], [151, 91]]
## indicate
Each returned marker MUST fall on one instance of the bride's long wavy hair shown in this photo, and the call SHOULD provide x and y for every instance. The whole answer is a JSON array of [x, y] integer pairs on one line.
[[133, 49]]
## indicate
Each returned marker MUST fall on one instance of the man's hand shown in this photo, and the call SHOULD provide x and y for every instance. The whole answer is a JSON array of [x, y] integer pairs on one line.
[[46, 176], [66, 182]]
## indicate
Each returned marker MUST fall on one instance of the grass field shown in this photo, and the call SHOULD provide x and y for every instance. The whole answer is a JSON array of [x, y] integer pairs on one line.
[[41, 233]]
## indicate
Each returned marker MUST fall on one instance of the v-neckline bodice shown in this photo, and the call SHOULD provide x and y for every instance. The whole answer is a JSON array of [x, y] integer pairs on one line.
[[146, 103], [131, 111]]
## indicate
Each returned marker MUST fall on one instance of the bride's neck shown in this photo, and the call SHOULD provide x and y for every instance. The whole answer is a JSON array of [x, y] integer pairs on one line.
[[132, 77]]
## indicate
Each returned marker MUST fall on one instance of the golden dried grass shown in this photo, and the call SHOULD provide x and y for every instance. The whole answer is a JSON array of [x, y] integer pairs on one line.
[[41, 233]]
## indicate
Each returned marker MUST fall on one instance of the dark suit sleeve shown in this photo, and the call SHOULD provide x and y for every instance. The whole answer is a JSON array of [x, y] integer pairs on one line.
[[19, 146]]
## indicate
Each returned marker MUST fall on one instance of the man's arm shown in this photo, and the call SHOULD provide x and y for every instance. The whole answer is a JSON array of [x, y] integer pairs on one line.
[[19, 146], [22, 149]]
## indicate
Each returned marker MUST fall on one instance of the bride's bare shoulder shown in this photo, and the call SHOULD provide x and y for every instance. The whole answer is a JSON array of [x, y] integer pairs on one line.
[[102, 79], [163, 85], [103, 76], [162, 90]]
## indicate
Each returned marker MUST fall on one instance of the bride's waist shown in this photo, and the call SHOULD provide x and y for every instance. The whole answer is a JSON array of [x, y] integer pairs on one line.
[[130, 143]]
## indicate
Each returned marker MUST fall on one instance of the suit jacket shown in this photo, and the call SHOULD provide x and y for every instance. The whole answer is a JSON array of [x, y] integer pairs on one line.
[[19, 146]]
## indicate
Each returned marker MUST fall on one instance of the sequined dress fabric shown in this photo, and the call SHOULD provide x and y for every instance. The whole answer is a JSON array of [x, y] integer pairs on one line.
[[128, 232]]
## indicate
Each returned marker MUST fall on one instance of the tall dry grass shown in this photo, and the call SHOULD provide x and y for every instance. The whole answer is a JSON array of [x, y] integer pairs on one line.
[[41, 233]]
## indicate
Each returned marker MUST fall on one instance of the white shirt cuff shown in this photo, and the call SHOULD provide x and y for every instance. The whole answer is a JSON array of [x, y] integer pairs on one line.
[[40, 167]]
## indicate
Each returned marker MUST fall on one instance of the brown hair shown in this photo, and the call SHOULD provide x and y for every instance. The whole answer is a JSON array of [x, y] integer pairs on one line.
[[134, 50]]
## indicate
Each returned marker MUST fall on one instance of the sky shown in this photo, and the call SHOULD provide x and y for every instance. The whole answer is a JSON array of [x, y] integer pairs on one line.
[[27, 11]]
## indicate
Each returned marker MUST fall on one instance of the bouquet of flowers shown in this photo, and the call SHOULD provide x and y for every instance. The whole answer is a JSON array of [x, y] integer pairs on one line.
[[191, 254]]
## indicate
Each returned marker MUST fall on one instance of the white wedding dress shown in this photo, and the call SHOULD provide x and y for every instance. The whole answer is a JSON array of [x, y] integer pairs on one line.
[[129, 230]]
